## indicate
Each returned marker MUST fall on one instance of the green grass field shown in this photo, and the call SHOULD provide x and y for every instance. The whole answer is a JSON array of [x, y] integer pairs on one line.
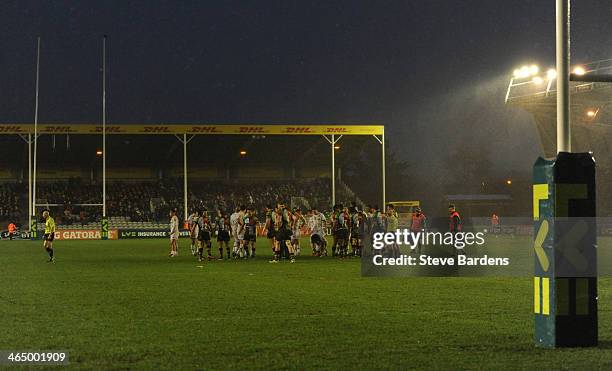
[[125, 304]]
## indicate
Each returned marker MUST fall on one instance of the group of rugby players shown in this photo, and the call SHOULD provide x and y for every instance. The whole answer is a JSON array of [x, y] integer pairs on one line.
[[283, 227]]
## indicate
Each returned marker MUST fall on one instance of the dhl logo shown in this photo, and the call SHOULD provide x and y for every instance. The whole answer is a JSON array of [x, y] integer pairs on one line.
[[109, 129], [205, 129], [57, 129], [296, 130], [250, 130], [156, 129], [336, 130], [10, 129]]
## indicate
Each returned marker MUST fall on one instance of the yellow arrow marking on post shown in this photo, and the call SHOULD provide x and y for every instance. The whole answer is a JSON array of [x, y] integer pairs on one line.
[[537, 245]]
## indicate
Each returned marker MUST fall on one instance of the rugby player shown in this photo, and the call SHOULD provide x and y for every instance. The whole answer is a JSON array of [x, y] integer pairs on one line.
[[417, 225], [174, 233], [342, 232], [250, 232], [455, 225], [297, 222], [357, 229], [334, 226], [234, 225], [377, 220], [204, 237], [283, 234], [49, 235], [242, 252], [392, 224], [318, 242], [270, 219], [193, 230], [223, 234]]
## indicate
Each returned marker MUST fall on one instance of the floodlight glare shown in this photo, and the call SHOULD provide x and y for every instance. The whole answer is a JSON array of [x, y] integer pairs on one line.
[[551, 74], [579, 71], [524, 72], [534, 69], [537, 80]]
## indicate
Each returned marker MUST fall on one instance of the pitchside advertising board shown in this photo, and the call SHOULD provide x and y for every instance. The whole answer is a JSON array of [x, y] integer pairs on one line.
[[151, 233], [16, 236], [113, 234], [83, 234]]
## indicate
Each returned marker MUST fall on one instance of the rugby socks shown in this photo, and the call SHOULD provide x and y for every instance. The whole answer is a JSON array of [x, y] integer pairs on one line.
[[228, 253], [49, 251], [200, 252], [221, 252]]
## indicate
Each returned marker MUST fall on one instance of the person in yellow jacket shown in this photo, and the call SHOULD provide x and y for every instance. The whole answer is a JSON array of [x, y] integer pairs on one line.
[[49, 235]]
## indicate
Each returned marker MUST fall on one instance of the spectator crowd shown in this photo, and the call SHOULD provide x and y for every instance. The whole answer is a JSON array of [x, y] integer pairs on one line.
[[151, 201]]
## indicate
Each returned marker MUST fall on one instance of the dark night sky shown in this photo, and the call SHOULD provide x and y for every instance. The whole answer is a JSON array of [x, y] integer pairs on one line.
[[433, 71]]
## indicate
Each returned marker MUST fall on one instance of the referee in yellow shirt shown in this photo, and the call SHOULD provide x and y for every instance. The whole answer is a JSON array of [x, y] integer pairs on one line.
[[49, 235]]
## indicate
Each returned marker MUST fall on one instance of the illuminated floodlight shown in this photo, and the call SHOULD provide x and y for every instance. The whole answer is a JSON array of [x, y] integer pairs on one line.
[[336, 147], [551, 74], [537, 80], [591, 113], [526, 71], [99, 152], [509, 182], [579, 71], [243, 152]]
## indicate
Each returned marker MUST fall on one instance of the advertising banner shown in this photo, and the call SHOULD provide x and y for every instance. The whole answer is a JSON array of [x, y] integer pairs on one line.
[[69, 234], [212, 129], [148, 233]]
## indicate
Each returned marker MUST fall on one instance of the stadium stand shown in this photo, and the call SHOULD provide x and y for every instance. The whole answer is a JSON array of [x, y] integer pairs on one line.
[[10, 202], [145, 204]]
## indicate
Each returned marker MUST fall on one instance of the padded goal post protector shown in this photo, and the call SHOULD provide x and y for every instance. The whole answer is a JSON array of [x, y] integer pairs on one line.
[[565, 244], [33, 229], [104, 234]]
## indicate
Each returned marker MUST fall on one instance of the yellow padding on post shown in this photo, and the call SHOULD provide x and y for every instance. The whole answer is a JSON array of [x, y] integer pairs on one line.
[[540, 192], [545, 296], [536, 295], [537, 245]]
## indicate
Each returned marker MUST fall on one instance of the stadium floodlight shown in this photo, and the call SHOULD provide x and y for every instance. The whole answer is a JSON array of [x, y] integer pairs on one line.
[[592, 113], [579, 71], [526, 71], [551, 74], [509, 182], [243, 152], [336, 147], [537, 80], [99, 152]]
